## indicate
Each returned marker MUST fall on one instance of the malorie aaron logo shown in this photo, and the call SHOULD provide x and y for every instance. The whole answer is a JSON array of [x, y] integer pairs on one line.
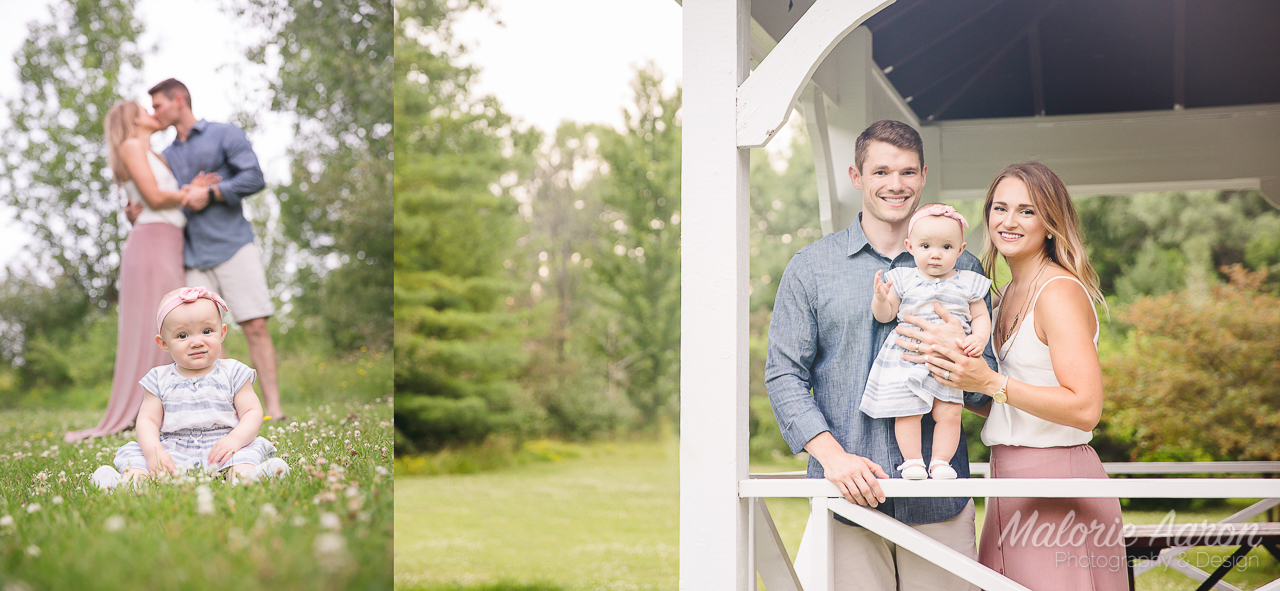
[[1068, 533]]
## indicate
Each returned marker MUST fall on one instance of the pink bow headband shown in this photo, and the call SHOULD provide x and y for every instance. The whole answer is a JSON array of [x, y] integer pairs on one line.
[[186, 295], [938, 210]]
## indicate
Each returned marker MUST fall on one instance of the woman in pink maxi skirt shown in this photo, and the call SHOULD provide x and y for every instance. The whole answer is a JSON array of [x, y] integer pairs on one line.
[[150, 265], [1048, 391]]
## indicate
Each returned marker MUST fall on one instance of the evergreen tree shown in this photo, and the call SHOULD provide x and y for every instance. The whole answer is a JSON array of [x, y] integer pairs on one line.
[[637, 272], [457, 350]]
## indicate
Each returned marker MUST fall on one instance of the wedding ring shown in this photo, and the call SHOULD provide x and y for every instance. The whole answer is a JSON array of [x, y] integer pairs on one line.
[[948, 376], [917, 348]]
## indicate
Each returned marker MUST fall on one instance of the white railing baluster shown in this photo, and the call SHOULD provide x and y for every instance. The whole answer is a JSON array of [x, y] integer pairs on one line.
[[768, 552]]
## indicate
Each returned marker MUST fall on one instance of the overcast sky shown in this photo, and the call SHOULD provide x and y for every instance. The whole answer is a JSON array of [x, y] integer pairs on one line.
[[197, 44], [552, 60]]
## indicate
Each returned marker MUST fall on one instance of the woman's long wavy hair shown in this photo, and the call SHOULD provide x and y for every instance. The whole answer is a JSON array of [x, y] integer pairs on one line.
[[120, 125], [1054, 206]]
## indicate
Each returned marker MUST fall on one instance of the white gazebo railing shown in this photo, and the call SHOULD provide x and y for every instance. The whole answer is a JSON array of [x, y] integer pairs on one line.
[[813, 568]]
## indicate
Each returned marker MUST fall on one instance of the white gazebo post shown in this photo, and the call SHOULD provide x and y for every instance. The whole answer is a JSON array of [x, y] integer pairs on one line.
[[727, 110], [713, 310]]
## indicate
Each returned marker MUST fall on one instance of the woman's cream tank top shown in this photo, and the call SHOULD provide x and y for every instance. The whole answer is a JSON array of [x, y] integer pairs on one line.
[[1025, 359], [166, 182]]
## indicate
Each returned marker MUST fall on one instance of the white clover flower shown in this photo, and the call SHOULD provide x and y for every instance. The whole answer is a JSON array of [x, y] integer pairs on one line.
[[57, 499], [204, 500], [6, 521], [352, 491], [113, 523], [298, 521], [329, 545], [381, 471], [33, 507], [33, 551], [330, 521]]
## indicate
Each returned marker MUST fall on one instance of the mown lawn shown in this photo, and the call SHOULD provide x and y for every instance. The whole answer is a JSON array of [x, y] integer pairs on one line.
[[609, 519], [328, 524]]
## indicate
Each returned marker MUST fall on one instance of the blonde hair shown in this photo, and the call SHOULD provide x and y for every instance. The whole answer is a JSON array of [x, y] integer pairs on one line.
[[1053, 205], [119, 125]]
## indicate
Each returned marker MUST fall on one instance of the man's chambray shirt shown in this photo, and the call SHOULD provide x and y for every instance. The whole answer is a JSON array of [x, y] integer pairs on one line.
[[214, 234], [823, 337]]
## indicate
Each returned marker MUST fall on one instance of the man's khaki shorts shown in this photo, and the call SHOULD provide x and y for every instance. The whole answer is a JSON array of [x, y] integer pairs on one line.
[[241, 281]]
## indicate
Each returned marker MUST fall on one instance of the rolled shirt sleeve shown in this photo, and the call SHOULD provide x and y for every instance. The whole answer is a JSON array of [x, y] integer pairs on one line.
[[247, 174]]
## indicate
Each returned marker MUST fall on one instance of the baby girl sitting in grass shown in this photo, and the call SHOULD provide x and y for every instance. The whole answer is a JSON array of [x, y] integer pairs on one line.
[[204, 412]]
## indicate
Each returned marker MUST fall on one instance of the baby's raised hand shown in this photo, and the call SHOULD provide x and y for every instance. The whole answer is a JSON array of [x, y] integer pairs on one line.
[[882, 288], [973, 345]]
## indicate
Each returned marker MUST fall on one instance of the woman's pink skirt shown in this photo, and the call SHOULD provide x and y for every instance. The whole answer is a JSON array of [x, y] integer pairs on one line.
[[150, 266], [1054, 544]]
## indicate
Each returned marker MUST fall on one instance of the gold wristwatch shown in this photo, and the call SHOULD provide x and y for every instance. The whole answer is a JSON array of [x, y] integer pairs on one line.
[[1001, 395]]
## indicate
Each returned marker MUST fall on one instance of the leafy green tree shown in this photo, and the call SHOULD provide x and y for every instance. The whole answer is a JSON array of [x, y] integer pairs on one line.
[[637, 270], [1200, 377], [336, 77], [566, 375], [1156, 243], [71, 69], [457, 350]]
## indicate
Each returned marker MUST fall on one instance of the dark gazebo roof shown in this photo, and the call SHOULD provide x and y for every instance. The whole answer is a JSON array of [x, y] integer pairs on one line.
[[967, 59]]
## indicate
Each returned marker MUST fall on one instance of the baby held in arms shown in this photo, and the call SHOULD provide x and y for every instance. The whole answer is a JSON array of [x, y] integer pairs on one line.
[[906, 391], [202, 410]]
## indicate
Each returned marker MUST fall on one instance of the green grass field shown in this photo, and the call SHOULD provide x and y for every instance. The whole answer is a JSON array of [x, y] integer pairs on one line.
[[609, 519], [328, 524]]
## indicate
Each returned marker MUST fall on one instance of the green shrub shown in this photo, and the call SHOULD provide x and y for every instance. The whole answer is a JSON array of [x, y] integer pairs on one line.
[[1200, 376]]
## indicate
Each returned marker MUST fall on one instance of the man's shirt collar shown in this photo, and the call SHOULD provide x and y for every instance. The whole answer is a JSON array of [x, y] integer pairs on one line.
[[857, 237]]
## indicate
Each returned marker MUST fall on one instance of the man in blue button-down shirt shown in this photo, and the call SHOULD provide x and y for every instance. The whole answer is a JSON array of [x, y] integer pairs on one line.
[[218, 249], [823, 340]]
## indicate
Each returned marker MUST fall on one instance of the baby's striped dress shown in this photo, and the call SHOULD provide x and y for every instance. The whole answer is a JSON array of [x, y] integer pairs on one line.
[[896, 387], [197, 413]]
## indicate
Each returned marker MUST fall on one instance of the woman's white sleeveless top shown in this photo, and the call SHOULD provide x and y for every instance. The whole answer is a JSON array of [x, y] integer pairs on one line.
[[1026, 360], [166, 182]]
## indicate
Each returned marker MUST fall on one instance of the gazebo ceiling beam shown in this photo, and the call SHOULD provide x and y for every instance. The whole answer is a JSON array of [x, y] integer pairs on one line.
[[1179, 54], [940, 38], [1221, 148], [995, 58], [767, 97], [1037, 69]]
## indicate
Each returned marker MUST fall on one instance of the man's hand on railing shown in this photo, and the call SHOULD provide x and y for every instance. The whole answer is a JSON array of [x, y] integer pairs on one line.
[[854, 476]]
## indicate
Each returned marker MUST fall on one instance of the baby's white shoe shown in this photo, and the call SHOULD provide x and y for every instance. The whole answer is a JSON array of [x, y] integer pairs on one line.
[[105, 477], [913, 470], [941, 470], [272, 468]]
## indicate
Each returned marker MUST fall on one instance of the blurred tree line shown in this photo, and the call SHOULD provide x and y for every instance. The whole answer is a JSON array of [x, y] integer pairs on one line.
[[57, 319], [537, 276]]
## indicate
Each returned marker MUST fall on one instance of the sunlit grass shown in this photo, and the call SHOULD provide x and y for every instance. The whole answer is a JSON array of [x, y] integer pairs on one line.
[[609, 519]]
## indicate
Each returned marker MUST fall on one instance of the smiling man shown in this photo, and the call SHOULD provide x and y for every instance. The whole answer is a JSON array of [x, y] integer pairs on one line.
[[823, 340]]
